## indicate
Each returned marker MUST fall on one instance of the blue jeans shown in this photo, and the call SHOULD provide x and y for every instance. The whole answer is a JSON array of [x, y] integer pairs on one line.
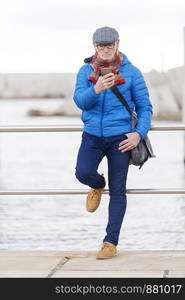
[[91, 152]]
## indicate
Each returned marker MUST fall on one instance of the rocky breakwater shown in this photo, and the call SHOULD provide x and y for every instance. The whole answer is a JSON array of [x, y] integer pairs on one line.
[[165, 89], [67, 108]]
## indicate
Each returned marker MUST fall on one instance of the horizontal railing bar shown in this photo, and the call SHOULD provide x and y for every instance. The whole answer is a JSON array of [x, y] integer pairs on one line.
[[80, 191], [41, 128], [168, 127], [74, 127]]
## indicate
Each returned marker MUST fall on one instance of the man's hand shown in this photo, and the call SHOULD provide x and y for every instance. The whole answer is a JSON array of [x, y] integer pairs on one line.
[[104, 83], [133, 138]]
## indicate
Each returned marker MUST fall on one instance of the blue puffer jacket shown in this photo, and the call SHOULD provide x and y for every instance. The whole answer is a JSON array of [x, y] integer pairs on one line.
[[103, 114]]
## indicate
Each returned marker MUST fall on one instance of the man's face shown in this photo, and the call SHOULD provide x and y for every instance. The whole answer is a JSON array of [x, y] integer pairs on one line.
[[107, 51]]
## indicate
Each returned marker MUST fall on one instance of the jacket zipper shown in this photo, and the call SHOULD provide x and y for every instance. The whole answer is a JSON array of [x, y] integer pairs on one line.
[[102, 112]]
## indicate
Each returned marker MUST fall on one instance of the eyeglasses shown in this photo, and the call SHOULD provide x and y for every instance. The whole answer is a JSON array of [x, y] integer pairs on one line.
[[109, 46]]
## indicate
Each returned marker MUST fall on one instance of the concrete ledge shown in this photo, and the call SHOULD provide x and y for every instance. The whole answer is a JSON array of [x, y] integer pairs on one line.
[[66, 264]]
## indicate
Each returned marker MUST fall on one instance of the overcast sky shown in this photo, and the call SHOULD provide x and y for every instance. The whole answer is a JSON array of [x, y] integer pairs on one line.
[[55, 35]]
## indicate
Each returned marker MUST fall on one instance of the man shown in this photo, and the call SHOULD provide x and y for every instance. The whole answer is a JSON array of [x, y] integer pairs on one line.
[[107, 127]]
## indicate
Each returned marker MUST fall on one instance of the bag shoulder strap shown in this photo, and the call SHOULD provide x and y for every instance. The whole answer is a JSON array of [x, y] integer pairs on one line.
[[116, 91]]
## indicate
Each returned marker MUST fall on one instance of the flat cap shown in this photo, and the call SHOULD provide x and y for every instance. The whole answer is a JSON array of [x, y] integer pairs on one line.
[[105, 35]]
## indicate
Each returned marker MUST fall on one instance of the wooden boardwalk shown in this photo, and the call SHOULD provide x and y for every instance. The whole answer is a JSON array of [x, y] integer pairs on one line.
[[61, 264]]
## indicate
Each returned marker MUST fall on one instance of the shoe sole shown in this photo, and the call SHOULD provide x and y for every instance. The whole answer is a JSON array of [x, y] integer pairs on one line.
[[106, 257]]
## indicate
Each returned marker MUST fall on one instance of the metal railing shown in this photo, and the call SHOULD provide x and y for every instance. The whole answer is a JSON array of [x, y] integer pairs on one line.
[[73, 128], [81, 192]]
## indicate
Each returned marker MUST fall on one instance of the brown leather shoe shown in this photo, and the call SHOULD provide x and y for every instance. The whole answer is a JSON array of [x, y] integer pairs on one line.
[[94, 198], [108, 250]]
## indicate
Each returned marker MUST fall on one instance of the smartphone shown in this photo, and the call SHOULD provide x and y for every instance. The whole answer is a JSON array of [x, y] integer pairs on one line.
[[105, 71]]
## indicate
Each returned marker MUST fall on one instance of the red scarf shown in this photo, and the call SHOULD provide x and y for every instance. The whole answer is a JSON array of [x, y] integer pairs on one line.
[[98, 63]]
